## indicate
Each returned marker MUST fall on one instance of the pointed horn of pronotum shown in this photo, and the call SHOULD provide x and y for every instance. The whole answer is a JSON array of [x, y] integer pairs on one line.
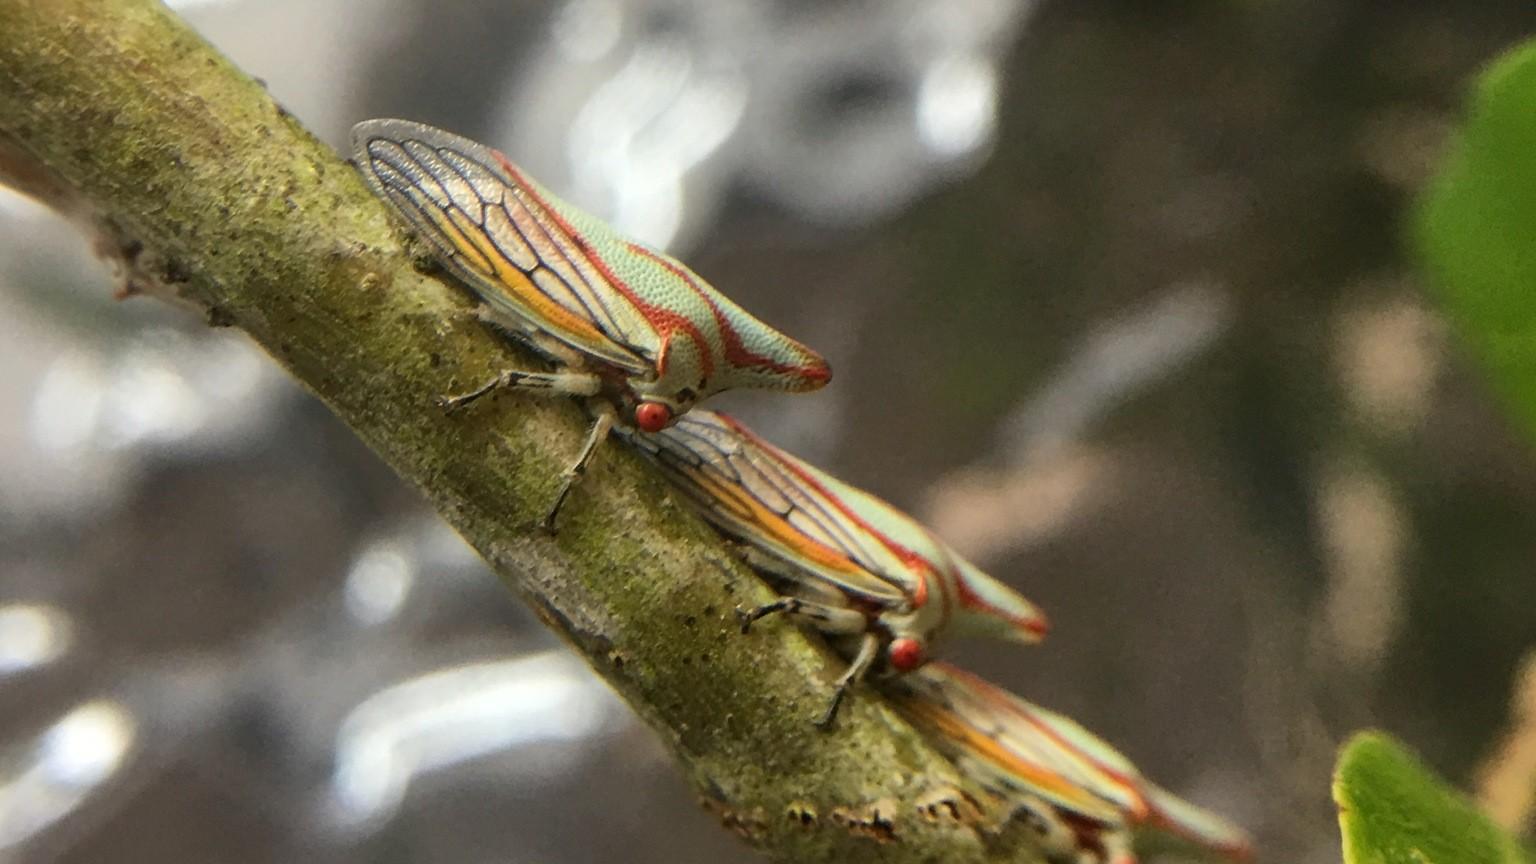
[[622, 321], [1196, 825], [987, 607], [763, 358], [855, 567]]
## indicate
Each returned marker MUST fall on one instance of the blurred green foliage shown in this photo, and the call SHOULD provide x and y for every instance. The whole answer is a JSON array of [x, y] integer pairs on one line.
[[1476, 229], [1392, 810]]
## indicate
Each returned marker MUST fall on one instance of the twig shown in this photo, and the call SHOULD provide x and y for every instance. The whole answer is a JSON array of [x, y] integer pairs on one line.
[[266, 229]]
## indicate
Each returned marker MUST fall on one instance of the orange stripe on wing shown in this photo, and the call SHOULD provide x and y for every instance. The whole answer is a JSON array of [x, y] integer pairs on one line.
[[469, 240], [447, 229], [771, 524], [918, 563], [666, 322], [1031, 717], [1045, 782]]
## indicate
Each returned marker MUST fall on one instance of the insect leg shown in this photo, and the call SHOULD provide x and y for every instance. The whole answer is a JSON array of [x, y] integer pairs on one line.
[[869, 646], [601, 425], [747, 617], [1056, 837], [830, 620], [834, 620], [568, 383]]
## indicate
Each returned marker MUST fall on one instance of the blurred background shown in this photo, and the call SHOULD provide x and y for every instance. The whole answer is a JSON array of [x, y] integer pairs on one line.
[[1118, 299]]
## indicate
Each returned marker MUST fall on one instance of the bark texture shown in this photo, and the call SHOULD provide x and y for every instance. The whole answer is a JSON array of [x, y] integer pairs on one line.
[[121, 115]]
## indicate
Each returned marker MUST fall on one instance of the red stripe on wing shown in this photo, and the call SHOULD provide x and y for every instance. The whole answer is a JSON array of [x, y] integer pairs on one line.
[[666, 321], [907, 556], [736, 352]]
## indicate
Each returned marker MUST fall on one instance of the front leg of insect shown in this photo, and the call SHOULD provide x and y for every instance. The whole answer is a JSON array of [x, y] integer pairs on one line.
[[832, 621], [623, 323], [846, 563], [568, 383], [828, 619]]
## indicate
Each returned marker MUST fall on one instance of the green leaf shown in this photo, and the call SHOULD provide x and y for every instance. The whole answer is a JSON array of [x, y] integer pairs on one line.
[[1392, 810], [1476, 228]]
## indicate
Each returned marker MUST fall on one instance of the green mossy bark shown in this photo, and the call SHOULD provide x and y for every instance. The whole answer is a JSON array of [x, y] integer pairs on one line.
[[266, 229]]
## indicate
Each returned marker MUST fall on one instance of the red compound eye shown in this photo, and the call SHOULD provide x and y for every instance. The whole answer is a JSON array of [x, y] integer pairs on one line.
[[652, 416], [905, 654]]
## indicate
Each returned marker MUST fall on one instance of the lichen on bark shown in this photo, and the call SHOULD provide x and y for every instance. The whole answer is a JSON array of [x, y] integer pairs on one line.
[[246, 215]]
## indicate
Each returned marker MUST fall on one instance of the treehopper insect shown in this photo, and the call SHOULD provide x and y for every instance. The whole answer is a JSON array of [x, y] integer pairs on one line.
[[632, 330], [854, 567], [1085, 797]]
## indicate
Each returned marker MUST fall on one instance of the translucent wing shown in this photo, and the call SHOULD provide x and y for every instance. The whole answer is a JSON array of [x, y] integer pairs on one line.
[[772, 500], [1017, 748], [982, 728], [504, 236]]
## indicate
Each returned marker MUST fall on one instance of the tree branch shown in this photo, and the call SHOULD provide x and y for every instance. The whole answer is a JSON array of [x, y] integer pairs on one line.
[[117, 104]]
